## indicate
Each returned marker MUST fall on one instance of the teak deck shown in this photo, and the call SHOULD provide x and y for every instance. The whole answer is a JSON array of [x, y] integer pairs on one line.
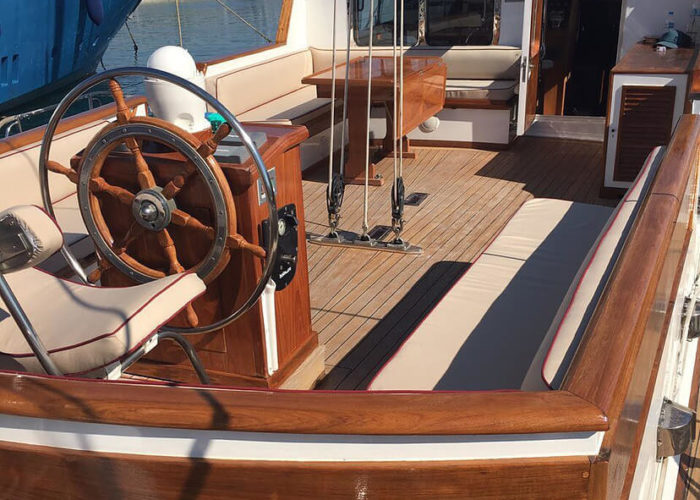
[[364, 303]]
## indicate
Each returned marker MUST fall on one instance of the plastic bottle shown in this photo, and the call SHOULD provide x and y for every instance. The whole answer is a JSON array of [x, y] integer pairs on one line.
[[670, 22]]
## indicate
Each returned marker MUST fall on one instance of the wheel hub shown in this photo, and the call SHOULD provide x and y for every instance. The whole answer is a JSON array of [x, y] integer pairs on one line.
[[152, 210]]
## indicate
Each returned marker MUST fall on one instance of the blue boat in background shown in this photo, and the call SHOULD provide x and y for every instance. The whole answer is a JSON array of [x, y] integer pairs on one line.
[[46, 45]]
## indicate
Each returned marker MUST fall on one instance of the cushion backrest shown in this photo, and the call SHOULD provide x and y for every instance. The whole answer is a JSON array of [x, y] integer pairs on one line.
[[20, 166], [492, 62], [564, 335], [243, 89]]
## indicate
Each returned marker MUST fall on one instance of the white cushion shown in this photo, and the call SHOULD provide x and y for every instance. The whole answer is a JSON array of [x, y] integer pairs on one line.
[[564, 335], [85, 328], [246, 88], [484, 333], [288, 108], [41, 232], [22, 167], [494, 90]]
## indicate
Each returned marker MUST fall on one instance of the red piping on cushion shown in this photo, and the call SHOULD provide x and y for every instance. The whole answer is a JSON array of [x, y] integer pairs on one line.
[[75, 193], [646, 166], [100, 337], [443, 298]]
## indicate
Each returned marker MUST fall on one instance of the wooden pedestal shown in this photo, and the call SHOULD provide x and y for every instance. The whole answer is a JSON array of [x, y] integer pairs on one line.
[[237, 354]]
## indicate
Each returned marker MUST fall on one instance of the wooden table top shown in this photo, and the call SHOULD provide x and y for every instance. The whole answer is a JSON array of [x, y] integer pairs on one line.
[[643, 59], [382, 71]]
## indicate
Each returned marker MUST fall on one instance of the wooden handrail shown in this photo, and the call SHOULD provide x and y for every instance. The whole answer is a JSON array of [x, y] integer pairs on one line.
[[34, 135], [302, 412], [618, 324], [617, 365]]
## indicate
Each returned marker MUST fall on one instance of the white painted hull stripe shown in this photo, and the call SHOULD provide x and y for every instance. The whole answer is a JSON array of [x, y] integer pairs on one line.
[[289, 447]]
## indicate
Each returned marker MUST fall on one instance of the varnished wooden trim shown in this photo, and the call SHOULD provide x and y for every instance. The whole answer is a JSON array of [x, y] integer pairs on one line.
[[617, 364], [455, 103], [316, 412], [433, 143], [42, 472], [601, 362], [651, 384], [644, 60], [284, 21], [280, 40], [35, 135]]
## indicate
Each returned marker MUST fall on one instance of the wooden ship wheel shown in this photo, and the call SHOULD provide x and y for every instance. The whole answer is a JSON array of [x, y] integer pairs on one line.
[[149, 221]]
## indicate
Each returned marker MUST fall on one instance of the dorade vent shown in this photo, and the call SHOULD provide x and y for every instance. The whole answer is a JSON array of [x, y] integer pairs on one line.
[[646, 121]]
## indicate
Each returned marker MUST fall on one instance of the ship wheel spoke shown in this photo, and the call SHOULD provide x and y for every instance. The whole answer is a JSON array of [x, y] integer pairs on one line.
[[135, 230], [238, 242], [99, 185], [144, 175], [183, 219], [168, 246], [56, 167], [124, 114], [208, 147], [102, 266], [176, 184]]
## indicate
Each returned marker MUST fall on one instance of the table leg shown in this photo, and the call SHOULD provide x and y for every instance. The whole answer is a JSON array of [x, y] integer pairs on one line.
[[358, 128], [389, 146]]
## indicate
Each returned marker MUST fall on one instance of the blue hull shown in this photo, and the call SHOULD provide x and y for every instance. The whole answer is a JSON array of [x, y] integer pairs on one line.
[[48, 44]]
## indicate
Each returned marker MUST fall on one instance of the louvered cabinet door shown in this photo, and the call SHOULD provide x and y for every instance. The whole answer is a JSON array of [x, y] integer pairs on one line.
[[645, 121]]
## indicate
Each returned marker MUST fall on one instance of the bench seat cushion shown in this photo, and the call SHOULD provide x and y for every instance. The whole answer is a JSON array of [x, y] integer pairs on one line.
[[484, 333], [564, 335], [492, 90], [294, 108]]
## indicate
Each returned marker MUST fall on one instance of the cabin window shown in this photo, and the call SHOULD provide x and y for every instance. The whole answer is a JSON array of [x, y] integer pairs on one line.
[[459, 22], [384, 22]]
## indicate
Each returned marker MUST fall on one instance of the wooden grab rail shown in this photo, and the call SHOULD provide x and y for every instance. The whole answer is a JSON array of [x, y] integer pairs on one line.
[[302, 412], [617, 364], [35, 135]]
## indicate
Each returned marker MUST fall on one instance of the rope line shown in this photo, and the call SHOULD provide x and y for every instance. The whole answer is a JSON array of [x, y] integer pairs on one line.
[[240, 18], [401, 107], [331, 146], [345, 92], [365, 221], [133, 40], [395, 116], [179, 22]]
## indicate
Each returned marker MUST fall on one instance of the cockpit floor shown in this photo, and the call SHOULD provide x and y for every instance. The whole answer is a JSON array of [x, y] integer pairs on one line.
[[364, 303]]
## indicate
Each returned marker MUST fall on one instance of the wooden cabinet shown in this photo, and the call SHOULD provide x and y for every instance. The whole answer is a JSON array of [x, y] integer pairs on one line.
[[645, 120], [647, 98], [271, 345]]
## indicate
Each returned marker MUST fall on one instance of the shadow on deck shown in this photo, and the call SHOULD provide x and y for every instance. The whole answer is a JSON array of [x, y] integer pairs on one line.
[[357, 369]]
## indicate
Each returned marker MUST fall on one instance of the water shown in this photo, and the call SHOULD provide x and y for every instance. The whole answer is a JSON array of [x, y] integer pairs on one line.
[[209, 31]]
